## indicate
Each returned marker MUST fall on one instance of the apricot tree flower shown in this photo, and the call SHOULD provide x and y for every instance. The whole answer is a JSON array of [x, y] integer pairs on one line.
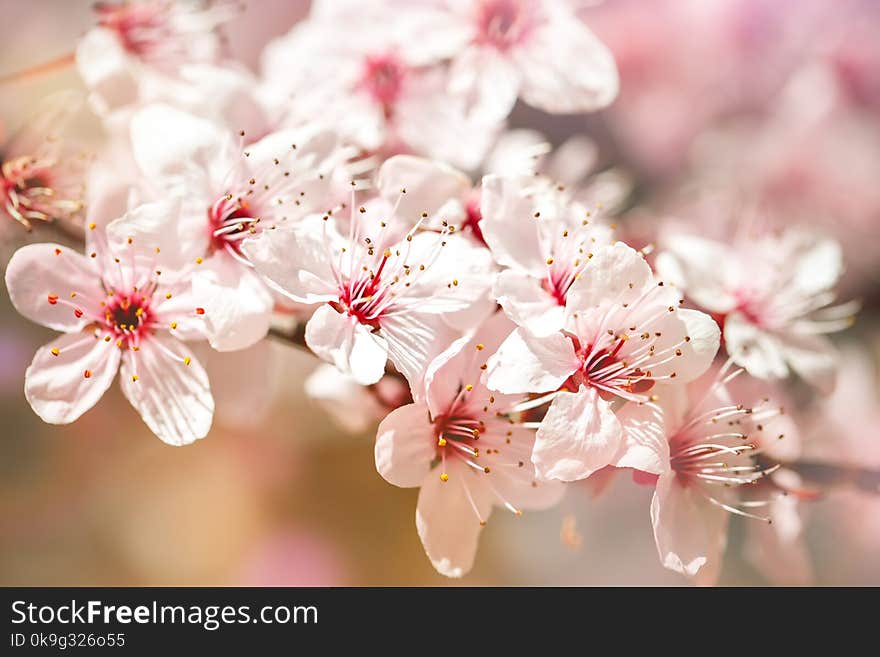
[[382, 294], [773, 295], [145, 43], [466, 449], [709, 451], [538, 50], [624, 332], [544, 241], [227, 196], [123, 307]]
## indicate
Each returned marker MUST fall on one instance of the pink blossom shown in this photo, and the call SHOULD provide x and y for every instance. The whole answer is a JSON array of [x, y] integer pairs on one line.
[[126, 306], [624, 332], [772, 292], [463, 446], [383, 293]]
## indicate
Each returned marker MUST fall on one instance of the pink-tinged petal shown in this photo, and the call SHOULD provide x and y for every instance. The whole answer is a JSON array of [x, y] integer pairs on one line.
[[106, 69], [167, 141], [405, 444], [463, 360], [690, 531], [449, 517], [151, 226], [697, 337], [414, 341], [699, 267], [818, 265], [295, 262], [527, 303], [579, 435], [644, 447], [171, 392], [615, 274], [488, 82], [509, 227], [238, 306], [759, 352], [813, 358], [566, 69], [40, 279], [526, 363], [340, 339], [429, 186], [69, 375]]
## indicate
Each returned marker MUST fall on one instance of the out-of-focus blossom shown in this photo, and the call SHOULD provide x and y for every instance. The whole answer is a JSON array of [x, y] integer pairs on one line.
[[624, 332], [382, 294], [462, 445], [116, 312], [42, 177], [353, 406], [371, 86], [503, 49], [708, 448], [772, 293]]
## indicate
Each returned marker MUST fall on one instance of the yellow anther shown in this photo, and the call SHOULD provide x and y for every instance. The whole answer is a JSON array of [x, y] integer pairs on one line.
[[444, 477], [441, 442], [187, 360], [55, 351], [173, 325]]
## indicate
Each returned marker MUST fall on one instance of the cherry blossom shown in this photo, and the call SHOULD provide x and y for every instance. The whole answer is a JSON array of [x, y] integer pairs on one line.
[[773, 293], [467, 450], [382, 293], [624, 332], [119, 309]]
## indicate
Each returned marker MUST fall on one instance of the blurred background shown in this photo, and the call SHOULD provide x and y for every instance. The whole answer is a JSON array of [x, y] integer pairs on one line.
[[726, 106]]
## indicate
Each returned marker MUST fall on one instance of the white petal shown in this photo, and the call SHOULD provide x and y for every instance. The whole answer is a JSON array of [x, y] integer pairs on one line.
[[295, 262], [173, 398], [690, 532], [447, 522], [156, 225], [579, 435], [566, 69], [759, 352], [813, 358], [429, 186], [615, 274], [698, 353], [414, 340], [527, 303], [37, 273], [342, 340], [238, 306], [509, 227], [487, 80], [645, 447], [700, 268], [526, 363], [57, 387], [106, 69], [405, 446]]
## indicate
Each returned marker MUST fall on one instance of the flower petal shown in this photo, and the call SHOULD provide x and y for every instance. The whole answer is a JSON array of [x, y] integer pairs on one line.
[[527, 303], [237, 304], [690, 532], [429, 186], [759, 352], [405, 446], [509, 227], [41, 278], [58, 388], [579, 435], [813, 358], [615, 274], [340, 339], [173, 398], [527, 363], [645, 447], [448, 523]]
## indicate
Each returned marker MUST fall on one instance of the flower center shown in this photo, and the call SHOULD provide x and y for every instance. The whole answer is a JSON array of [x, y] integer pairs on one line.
[[382, 78], [231, 220], [139, 26], [127, 316], [504, 23]]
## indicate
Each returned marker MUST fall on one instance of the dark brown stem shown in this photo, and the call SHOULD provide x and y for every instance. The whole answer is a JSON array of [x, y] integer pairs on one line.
[[828, 475]]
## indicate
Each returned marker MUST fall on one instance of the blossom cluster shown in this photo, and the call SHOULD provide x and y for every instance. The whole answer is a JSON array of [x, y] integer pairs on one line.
[[469, 292]]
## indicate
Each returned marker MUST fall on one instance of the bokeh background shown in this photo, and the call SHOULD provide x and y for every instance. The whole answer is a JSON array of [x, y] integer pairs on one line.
[[726, 106]]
